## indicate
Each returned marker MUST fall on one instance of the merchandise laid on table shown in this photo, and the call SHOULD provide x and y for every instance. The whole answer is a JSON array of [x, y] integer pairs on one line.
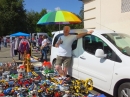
[[36, 79]]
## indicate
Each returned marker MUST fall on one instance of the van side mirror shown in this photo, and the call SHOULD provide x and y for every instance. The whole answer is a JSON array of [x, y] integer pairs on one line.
[[100, 53]]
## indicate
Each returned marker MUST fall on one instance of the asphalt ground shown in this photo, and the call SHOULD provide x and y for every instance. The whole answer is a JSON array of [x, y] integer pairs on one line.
[[5, 55]]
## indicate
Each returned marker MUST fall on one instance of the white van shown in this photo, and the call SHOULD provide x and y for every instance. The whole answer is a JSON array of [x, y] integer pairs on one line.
[[103, 56], [39, 34]]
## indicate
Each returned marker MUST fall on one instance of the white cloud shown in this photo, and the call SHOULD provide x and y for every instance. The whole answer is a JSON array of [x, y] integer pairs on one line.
[[48, 10], [57, 8]]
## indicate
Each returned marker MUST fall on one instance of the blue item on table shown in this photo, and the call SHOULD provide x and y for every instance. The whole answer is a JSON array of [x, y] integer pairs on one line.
[[7, 91], [11, 83], [101, 95]]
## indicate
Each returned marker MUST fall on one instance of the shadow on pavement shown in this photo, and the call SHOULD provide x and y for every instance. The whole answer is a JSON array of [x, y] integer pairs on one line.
[[5, 57]]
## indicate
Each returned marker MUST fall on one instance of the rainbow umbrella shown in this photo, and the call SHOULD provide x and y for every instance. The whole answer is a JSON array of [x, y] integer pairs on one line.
[[59, 17]]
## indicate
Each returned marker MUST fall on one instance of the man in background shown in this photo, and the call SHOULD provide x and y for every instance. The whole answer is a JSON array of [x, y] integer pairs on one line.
[[40, 40], [0, 43], [5, 42], [16, 45]]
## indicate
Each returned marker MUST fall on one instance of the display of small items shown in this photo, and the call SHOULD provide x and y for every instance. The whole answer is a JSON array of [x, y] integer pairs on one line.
[[27, 83]]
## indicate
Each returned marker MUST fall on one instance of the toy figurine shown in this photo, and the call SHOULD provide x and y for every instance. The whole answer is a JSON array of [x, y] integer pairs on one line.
[[7, 91], [1, 93], [57, 94], [11, 83], [33, 93]]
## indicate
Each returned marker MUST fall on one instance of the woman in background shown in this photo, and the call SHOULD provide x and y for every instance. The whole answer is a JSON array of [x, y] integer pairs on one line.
[[12, 46], [24, 46], [44, 48]]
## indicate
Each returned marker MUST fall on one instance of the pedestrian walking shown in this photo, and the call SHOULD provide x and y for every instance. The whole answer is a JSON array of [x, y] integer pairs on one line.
[[44, 48], [5, 42], [24, 47], [0, 43], [16, 46], [12, 47], [40, 40]]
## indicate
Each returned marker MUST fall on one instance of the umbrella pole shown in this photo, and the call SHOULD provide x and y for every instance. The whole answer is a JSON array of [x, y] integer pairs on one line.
[[59, 27]]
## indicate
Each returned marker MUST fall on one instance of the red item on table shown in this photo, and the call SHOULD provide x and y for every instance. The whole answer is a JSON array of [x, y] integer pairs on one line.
[[57, 94], [2, 94]]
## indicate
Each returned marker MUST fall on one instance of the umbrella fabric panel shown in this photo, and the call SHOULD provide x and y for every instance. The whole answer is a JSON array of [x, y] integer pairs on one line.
[[59, 17], [51, 17], [19, 34], [64, 16], [47, 18]]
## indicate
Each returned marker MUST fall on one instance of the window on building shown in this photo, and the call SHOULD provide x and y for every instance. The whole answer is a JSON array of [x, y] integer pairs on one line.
[[125, 6]]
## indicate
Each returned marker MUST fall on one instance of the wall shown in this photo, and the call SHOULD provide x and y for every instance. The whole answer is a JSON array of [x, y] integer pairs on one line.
[[106, 14]]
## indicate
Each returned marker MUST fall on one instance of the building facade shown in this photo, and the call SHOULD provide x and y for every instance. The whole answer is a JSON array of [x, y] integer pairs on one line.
[[107, 14]]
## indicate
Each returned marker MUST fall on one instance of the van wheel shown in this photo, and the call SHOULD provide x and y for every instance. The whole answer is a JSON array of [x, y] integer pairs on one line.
[[124, 90]]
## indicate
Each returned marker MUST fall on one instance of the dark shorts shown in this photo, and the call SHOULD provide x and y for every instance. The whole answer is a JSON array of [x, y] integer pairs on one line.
[[66, 61], [15, 52]]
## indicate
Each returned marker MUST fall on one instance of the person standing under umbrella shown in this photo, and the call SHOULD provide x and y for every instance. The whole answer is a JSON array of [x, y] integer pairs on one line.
[[64, 56]]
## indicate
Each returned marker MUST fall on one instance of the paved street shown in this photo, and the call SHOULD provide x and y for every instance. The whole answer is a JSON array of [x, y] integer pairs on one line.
[[5, 55]]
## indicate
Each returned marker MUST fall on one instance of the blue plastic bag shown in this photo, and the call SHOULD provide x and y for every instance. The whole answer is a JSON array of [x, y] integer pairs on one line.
[[92, 95], [101, 95]]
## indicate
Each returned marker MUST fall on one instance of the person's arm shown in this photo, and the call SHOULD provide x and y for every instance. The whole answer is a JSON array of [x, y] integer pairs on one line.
[[38, 41], [19, 43], [28, 43], [58, 42], [83, 34], [16, 44], [43, 45]]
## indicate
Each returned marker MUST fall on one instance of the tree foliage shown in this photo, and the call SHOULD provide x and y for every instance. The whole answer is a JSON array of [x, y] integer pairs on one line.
[[14, 18]]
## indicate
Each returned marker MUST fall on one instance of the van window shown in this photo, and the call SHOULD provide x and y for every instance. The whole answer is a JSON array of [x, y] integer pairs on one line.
[[74, 45], [120, 41], [56, 39], [91, 43]]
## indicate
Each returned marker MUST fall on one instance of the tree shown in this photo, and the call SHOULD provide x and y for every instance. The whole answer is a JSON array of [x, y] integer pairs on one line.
[[12, 16], [41, 28], [45, 28], [81, 13], [31, 20]]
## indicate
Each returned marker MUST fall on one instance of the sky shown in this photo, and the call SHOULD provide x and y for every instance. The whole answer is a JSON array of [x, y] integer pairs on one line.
[[52, 5]]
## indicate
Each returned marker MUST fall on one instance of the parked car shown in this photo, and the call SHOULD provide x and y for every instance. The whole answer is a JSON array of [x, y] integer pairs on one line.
[[38, 34], [103, 56]]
